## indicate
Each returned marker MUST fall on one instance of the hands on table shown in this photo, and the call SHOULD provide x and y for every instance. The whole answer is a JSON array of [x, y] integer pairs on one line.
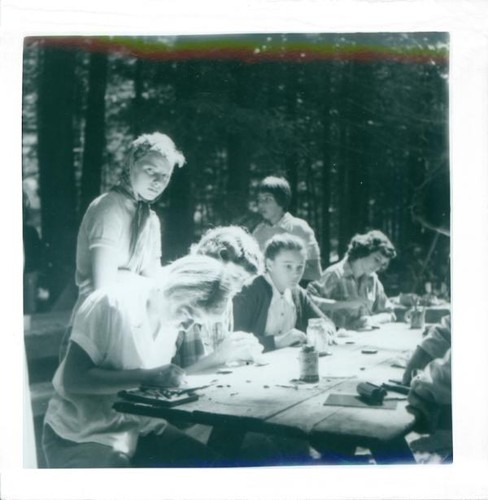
[[164, 376], [239, 346], [292, 337], [367, 322]]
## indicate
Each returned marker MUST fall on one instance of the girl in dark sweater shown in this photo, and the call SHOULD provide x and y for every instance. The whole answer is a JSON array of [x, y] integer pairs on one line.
[[274, 307]]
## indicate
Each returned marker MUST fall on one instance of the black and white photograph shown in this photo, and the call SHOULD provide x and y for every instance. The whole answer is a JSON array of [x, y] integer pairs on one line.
[[237, 249], [243, 252]]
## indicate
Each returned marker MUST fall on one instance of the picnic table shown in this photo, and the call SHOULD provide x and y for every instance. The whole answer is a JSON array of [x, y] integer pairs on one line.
[[43, 334], [433, 313], [269, 399]]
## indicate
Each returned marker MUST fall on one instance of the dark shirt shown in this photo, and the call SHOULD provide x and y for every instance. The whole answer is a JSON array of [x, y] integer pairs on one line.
[[251, 307]]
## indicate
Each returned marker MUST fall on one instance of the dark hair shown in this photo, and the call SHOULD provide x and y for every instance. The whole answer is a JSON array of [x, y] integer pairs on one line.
[[231, 244], [279, 188], [280, 242], [362, 245]]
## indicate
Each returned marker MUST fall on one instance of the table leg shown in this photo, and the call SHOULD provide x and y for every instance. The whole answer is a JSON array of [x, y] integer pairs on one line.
[[226, 441], [395, 451], [335, 450]]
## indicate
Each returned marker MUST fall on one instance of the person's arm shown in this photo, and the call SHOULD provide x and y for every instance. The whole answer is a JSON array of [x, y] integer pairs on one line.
[[82, 376], [312, 270], [431, 391], [152, 270], [438, 339], [154, 264], [311, 310], [290, 338], [236, 346], [104, 266], [322, 291], [418, 361]]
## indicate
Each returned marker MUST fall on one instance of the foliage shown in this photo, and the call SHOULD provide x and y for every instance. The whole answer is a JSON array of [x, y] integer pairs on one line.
[[357, 123]]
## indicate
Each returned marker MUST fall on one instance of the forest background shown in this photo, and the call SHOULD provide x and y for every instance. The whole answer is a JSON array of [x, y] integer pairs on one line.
[[358, 124]]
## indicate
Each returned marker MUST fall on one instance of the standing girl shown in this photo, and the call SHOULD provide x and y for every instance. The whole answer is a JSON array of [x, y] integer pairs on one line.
[[119, 233]]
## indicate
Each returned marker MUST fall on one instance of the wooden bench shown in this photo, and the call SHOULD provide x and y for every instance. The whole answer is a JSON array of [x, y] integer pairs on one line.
[[42, 336]]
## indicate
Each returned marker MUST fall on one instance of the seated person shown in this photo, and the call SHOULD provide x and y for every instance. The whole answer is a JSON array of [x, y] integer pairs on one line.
[[350, 290], [274, 196], [214, 343], [274, 307], [436, 343], [123, 337], [430, 395], [428, 373]]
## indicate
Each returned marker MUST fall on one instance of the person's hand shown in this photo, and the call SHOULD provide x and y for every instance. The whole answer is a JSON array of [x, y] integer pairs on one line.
[[239, 346], [363, 323], [417, 362], [352, 305], [293, 337], [164, 376], [383, 317], [425, 410]]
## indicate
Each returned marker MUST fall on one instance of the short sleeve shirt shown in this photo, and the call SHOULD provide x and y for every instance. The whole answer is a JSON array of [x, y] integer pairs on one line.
[[339, 283], [107, 223], [111, 326], [291, 225]]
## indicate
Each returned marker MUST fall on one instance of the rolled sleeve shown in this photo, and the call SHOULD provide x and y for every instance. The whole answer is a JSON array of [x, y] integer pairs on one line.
[[438, 340], [105, 227], [91, 328], [434, 383], [325, 286]]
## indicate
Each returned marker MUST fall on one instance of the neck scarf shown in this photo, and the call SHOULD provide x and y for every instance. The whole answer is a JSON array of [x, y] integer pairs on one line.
[[141, 216], [143, 207]]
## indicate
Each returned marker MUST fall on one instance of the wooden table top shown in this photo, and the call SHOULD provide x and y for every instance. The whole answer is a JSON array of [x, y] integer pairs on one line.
[[267, 399]]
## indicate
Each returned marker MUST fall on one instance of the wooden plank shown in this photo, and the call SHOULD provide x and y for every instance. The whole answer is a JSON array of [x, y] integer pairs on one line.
[[40, 395], [322, 422], [365, 424], [253, 398], [44, 335]]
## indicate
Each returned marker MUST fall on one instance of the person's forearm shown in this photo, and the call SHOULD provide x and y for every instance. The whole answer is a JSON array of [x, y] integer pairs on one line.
[[329, 304], [152, 270], [99, 381], [205, 363], [383, 317], [312, 270], [418, 361]]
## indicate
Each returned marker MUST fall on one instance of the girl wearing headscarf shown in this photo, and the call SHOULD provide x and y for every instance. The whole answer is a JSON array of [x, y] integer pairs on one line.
[[120, 235]]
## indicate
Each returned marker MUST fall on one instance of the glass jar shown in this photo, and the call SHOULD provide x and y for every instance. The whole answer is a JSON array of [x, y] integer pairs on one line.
[[309, 364], [317, 335]]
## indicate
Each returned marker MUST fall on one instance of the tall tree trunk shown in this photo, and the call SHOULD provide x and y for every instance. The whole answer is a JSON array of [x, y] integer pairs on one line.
[[238, 147], [178, 227], [346, 158], [358, 163], [94, 130], [291, 157], [327, 160], [57, 176], [137, 104]]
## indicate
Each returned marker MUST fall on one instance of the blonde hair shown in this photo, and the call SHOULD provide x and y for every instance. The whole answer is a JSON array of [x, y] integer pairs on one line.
[[231, 244], [198, 284], [157, 143]]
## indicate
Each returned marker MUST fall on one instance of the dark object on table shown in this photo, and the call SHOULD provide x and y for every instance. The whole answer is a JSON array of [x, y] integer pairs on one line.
[[158, 397], [371, 393], [351, 400], [396, 387]]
